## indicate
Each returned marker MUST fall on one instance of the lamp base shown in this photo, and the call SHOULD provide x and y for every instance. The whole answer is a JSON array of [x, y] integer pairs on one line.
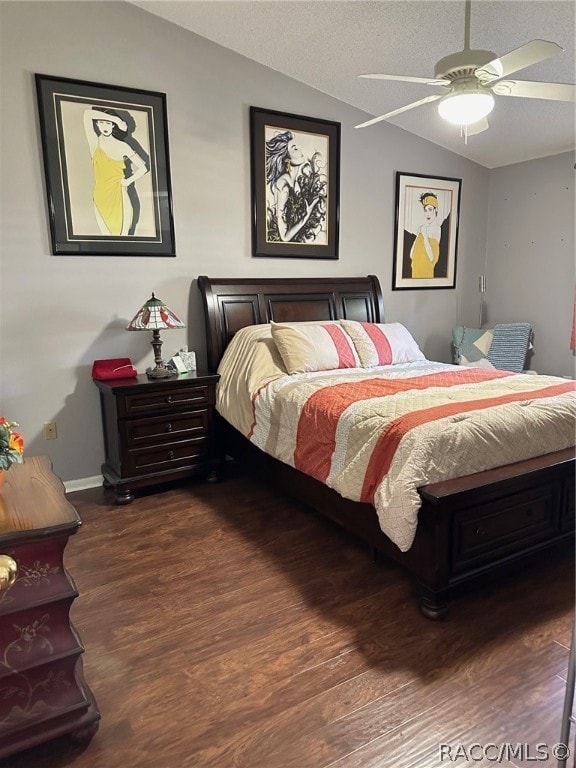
[[160, 372]]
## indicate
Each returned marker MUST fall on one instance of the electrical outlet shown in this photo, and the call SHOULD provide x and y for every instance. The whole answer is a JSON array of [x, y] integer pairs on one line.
[[50, 432]]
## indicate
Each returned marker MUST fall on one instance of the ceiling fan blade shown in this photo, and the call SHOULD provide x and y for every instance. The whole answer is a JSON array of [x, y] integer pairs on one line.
[[533, 90], [399, 111], [408, 79], [524, 56], [479, 127]]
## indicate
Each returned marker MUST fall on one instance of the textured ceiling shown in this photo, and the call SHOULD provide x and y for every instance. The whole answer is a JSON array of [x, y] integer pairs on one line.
[[327, 43]]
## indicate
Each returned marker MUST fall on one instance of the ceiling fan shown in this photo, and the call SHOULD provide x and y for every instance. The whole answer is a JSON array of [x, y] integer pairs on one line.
[[470, 78]]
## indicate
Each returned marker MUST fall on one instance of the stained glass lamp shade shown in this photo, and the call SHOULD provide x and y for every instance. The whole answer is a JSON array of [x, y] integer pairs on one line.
[[156, 316]]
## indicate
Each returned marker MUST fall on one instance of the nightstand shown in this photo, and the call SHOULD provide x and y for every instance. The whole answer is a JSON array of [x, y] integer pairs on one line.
[[157, 430]]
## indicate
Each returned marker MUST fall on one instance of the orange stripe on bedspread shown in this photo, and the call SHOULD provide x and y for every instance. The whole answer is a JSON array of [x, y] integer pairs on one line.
[[390, 438], [316, 436]]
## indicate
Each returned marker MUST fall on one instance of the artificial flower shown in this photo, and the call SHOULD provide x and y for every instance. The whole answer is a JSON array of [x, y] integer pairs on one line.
[[11, 444]]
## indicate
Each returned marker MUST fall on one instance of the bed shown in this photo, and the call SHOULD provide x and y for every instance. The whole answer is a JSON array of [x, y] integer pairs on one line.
[[470, 528]]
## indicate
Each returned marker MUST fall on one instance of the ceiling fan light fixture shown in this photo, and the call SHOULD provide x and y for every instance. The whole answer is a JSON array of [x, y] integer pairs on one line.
[[466, 108]]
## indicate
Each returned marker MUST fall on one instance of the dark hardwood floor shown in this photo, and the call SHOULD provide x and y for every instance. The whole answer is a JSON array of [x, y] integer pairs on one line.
[[226, 626]]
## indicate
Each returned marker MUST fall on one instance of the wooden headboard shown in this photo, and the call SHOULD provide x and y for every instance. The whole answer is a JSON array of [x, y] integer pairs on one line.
[[233, 303]]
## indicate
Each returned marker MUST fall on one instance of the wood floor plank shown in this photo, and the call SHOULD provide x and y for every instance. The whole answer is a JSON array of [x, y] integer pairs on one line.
[[506, 714], [226, 626], [297, 740]]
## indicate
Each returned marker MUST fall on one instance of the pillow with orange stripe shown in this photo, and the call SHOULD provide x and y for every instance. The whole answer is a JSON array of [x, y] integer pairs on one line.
[[382, 343], [315, 346]]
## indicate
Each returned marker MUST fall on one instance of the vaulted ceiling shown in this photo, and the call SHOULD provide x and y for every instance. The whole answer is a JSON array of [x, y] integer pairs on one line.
[[326, 44]]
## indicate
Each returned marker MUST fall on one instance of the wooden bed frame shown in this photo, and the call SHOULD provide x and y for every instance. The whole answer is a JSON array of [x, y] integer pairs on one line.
[[469, 529]]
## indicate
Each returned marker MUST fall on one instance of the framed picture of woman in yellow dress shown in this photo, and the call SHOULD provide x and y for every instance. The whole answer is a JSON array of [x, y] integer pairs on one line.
[[426, 232], [107, 169]]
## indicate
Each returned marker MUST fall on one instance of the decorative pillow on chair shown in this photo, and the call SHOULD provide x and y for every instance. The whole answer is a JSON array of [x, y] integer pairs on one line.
[[510, 346], [319, 346], [470, 345], [383, 343]]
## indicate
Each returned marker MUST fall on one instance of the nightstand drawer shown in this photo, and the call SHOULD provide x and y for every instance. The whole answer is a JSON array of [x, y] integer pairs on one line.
[[166, 399], [177, 426], [165, 457]]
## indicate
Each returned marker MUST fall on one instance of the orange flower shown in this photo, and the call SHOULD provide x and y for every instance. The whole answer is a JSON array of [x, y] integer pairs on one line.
[[11, 444], [16, 443]]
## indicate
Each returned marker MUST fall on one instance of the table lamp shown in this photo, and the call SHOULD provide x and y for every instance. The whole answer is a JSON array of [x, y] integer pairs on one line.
[[155, 316]]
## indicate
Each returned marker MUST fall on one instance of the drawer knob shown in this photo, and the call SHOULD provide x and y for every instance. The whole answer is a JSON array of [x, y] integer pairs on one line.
[[169, 399], [168, 427], [171, 454], [8, 572], [479, 532]]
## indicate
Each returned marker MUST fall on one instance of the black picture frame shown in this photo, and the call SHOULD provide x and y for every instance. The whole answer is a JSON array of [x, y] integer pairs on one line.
[[426, 206], [308, 190], [91, 211]]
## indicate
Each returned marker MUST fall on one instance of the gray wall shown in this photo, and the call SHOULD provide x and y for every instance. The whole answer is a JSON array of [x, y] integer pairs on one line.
[[530, 255], [61, 313]]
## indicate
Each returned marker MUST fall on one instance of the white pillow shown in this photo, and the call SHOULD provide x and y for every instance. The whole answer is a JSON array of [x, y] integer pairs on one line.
[[382, 343], [319, 346]]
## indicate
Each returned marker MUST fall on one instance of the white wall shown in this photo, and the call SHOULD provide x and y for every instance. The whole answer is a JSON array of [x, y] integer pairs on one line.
[[60, 313], [530, 255]]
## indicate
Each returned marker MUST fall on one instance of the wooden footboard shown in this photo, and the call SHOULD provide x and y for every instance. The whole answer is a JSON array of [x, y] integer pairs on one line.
[[484, 523]]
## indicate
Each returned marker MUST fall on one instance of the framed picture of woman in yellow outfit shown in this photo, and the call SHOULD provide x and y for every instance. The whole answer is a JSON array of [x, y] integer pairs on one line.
[[107, 169], [426, 232]]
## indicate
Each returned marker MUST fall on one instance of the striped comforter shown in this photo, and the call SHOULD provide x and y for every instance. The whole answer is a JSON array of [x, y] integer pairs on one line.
[[377, 435]]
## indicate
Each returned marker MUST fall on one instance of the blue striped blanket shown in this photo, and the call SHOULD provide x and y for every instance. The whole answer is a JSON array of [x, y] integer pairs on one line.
[[509, 346]]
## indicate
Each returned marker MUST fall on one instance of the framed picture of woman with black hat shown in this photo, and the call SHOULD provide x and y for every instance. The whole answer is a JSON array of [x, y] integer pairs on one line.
[[107, 169]]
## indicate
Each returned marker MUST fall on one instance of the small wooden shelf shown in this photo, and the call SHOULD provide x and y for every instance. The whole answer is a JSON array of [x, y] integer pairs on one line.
[[44, 691]]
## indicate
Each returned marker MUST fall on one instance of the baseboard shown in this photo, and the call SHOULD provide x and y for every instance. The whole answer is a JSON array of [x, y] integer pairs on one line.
[[83, 483]]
